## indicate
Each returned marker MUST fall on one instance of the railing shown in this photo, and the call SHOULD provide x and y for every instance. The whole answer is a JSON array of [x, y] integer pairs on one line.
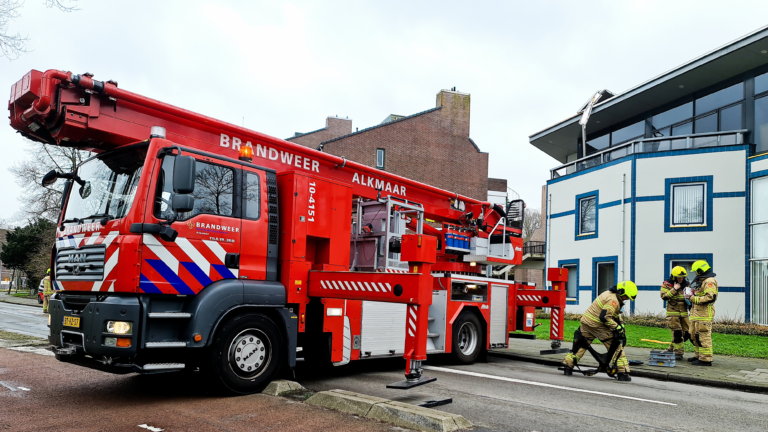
[[650, 145], [534, 248]]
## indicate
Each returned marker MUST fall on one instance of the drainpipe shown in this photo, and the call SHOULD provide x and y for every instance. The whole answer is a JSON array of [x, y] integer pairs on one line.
[[621, 250]]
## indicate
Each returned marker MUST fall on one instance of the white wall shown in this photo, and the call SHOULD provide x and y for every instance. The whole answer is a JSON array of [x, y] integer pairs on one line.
[[760, 165], [725, 242]]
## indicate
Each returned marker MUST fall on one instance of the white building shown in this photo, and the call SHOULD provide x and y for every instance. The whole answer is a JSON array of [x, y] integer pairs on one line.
[[673, 170]]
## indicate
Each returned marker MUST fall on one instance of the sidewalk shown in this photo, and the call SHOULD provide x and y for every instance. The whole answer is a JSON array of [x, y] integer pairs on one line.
[[5, 298], [737, 373]]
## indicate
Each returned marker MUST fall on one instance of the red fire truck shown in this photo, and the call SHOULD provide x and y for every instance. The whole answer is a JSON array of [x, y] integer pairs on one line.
[[186, 242]]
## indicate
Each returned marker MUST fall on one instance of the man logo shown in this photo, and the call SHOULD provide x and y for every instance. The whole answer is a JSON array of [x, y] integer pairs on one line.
[[78, 258], [191, 224]]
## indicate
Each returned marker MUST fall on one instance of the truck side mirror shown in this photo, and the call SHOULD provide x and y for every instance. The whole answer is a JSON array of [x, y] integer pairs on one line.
[[50, 178], [184, 175], [182, 203]]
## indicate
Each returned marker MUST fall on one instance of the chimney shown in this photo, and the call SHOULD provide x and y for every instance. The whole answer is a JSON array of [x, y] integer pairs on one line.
[[455, 110], [338, 127]]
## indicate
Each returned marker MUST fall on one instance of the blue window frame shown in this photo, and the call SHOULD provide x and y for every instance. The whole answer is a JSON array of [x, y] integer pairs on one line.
[[587, 221], [678, 201]]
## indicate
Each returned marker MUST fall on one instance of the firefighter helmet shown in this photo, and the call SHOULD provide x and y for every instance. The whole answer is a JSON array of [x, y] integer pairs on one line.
[[679, 271], [48, 271], [627, 288], [700, 267]]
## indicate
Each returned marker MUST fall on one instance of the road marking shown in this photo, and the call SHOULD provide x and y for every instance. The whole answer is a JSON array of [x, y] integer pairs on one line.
[[534, 383], [151, 428], [23, 388], [7, 386]]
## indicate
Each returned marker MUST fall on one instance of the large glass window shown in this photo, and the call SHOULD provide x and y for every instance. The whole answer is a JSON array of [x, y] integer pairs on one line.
[[587, 215], [761, 83], [675, 115], [683, 129], [627, 133], [598, 144], [720, 98], [572, 287], [706, 123], [730, 118], [761, 124], [688, 205]]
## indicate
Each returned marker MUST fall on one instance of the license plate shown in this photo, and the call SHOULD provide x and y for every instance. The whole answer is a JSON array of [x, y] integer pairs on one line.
[[71, 321]]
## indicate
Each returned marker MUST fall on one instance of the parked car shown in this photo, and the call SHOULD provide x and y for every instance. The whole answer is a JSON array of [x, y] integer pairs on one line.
[[40, 289]]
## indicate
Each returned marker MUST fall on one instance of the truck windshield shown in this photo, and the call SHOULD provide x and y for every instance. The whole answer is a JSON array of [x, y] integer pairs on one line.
[[106, 185]]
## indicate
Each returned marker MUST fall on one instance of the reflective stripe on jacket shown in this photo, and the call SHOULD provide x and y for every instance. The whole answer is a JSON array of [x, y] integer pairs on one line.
[[703, 301], [605, 310]]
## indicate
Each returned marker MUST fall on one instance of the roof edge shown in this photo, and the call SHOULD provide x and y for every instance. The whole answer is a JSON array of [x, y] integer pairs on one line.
[[319, 147]]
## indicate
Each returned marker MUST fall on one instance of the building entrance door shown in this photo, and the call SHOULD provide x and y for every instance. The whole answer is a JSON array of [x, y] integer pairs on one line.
[[605, 277]]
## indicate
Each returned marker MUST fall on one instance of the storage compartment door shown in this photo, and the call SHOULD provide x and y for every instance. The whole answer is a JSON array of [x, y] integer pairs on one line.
[[498, 314]]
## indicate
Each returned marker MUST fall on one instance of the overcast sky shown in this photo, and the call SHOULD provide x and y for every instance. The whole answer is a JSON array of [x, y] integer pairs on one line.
[[284, 67]]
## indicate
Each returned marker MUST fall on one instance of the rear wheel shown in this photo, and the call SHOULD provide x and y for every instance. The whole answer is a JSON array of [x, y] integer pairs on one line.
[[467, 338], [247, 354]]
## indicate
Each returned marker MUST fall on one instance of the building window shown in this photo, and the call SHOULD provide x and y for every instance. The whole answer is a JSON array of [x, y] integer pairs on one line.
[[587, 215], [688, 205], [686, 264], [761, 124], [380, 158], [572, 286], [720, 98]]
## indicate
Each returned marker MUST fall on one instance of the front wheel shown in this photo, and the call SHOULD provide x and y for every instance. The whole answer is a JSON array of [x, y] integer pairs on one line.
[[247, 354], [467, 338]]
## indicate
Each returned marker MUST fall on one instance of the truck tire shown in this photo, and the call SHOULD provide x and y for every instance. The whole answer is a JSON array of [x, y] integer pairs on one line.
[[467, 341], [247, 354]]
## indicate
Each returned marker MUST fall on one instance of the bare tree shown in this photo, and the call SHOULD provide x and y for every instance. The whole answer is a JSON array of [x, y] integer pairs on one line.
[[14, 45], [531, 223], [38, 201]]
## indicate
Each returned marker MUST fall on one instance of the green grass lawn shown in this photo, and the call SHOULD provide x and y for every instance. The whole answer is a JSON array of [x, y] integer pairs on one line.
[[723, 344]]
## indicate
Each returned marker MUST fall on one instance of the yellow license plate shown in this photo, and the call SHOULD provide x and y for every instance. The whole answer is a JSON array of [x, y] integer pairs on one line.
[[71, 321]]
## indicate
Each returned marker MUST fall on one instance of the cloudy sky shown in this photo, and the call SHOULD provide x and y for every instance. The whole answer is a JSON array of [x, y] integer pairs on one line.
[[283, 67]]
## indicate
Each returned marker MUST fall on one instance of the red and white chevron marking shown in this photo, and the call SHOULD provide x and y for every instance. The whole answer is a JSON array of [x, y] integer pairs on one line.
[[391, 270], [355, 286], [412, 320], [528, 297], [555, 322]]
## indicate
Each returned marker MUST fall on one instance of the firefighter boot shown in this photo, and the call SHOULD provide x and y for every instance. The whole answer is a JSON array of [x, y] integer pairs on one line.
[[693, 359], [623, 376], [568, 371], [698, 362]]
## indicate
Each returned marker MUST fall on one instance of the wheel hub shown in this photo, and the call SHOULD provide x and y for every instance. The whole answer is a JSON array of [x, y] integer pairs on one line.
[[248, 353], [467, 338]]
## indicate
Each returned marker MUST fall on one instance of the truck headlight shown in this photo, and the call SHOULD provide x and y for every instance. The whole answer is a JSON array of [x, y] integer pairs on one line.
[[119, 327]]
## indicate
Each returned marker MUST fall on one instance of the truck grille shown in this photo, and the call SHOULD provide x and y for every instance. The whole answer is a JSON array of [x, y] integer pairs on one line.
[[84, 264]]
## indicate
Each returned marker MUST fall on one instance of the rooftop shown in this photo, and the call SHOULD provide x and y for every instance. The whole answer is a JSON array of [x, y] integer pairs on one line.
[[728, 61]]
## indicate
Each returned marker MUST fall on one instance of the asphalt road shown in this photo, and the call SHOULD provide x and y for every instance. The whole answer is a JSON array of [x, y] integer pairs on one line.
[[28, 320], [498, 395]]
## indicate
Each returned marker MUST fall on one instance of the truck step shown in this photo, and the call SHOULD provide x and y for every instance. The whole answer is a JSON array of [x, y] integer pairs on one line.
[[170, 344], [433, 335], [163, 366], [169, 315]]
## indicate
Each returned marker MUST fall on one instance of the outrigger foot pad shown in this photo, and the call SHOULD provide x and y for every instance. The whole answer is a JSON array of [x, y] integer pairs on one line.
[[409, 384]]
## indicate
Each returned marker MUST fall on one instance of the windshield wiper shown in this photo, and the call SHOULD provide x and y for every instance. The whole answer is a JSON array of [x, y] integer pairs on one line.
[[103, 216], [70, 220]]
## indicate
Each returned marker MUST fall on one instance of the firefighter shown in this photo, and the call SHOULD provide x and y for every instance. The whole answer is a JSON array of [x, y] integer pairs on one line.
[[672, 291], [47, 291], [702, 312], [602, 320]]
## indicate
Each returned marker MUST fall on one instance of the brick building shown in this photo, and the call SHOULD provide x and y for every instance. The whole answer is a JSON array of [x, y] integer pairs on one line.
[[431, 146]]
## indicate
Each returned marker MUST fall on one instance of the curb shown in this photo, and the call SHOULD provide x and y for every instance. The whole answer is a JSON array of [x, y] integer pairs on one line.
[[647, 374], [384, 410], [278, 387], [20, 303]]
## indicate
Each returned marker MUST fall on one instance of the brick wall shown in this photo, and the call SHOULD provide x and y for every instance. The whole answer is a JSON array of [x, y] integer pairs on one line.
[[498, 185], [334, 127], [432, 147]]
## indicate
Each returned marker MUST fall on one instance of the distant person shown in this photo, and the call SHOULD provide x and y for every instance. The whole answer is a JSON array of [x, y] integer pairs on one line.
[[602, 320], [702, 312], [673, 292], [47, 291]]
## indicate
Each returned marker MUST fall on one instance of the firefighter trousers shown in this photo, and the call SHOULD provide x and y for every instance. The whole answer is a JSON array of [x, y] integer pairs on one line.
[[702, 340], [46, 301], [679, 325], [604, 335]]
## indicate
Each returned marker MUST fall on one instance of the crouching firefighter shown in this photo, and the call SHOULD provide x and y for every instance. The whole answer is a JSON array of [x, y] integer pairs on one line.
[[672, 291], [602, 321]]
